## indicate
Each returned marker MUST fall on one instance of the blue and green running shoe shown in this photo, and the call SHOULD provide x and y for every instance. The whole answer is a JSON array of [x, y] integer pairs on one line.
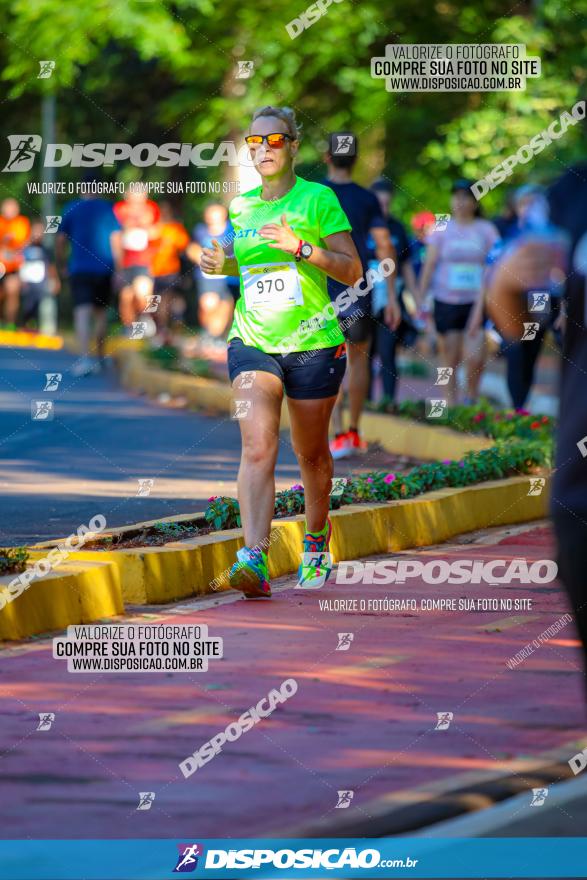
[[316, 559], [250, 573]]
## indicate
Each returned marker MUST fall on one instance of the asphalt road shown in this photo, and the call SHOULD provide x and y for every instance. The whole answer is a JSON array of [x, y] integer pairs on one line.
[[55, 475]]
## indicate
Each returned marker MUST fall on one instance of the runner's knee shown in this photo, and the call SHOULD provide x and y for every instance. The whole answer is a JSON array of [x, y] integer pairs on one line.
[[260, 452]]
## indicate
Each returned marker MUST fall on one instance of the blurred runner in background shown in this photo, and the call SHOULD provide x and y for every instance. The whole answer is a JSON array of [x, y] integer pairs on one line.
[[506, 222], [216, 294], [531, 213], [169, 244], [422, 225], [15, 230], [364, 214], [38, 275], [87, 225], [454, 271], [133, 248], [526, 268], [385, 340]]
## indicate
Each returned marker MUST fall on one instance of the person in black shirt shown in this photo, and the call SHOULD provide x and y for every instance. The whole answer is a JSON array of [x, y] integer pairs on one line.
[[363, 212], [521, 271], [385, 340], [38, 274]]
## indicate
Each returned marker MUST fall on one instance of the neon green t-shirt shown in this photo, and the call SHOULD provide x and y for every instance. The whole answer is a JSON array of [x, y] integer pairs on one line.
[[282, 300]]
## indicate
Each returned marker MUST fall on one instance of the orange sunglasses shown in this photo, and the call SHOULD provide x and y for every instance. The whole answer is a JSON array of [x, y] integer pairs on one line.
[[276, 140]]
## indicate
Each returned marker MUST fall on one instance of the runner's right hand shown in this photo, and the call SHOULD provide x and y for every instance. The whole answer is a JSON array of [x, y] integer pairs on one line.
[[212, 259]]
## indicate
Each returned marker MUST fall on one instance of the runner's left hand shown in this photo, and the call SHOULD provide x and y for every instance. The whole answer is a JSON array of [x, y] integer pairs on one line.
[[283, 235], [392, 314]]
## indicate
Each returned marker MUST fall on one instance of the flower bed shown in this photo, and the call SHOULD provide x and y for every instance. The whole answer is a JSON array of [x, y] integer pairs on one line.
[[13, 560], [169, 357], [506, 459], [157, 535], [479, 418]]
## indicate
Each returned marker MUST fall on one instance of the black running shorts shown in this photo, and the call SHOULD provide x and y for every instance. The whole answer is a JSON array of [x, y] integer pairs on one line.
[[306, 375]]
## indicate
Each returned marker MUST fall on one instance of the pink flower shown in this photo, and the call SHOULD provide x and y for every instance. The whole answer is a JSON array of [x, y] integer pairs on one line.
[[389, 478], [369, 479], [479, 417], [297, 488], [446, 461], [522, 412], [213, 498]]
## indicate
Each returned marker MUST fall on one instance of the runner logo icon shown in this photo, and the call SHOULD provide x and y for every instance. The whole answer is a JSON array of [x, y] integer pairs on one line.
[[343, 144], [46, 719], [444, 719], [187, 860], [539, 795], [23, 149]]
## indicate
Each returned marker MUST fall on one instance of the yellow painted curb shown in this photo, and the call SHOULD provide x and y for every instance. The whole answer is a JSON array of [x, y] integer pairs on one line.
[[98, 584], [95, 584], [419, 440], [397, 435], [71, 593], [112, 344], [208, 394], [26, 339]]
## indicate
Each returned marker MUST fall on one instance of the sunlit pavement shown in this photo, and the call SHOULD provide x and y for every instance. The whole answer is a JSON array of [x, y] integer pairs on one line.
[[362, 720], [56, 475]]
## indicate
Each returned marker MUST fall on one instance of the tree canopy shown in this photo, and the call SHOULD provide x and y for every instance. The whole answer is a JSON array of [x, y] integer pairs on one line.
[[143, 70]]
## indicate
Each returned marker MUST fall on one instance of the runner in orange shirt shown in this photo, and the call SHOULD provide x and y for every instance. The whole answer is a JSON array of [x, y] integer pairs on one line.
[[15, 232], [133, 251], [170, 242]]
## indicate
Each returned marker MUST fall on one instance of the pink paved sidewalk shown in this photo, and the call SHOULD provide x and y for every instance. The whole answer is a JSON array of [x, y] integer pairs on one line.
[[362, 719]]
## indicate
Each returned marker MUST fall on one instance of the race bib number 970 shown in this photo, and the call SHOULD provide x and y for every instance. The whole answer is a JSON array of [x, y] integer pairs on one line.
[[272, 286]]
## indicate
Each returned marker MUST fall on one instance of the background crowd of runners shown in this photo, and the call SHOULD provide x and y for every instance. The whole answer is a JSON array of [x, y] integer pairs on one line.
[[136, 258]]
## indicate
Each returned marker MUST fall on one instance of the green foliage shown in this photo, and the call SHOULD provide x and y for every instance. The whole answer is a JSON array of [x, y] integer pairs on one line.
[[146, 71], [290, 502], [223, 513], [166, 356], [171, 530], [482, 418], [13, 560], [513, 457]]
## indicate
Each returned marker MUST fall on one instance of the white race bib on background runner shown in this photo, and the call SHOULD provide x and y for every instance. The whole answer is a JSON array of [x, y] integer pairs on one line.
[[33, 272], [272, 286], [465, 276], [135, 239]]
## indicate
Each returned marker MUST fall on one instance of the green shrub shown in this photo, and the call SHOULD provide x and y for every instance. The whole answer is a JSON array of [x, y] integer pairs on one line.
[[13, 560], [507, 458], [223, 513], [481, 418]]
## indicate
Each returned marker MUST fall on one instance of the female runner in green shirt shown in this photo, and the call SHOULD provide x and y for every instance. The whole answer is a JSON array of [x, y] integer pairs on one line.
[[289, 235]]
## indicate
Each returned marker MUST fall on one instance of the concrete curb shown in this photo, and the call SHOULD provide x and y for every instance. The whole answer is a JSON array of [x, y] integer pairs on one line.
[[27, 339], [395, 434], [510, 818], [462, 800], [103, 582], [72, 593]]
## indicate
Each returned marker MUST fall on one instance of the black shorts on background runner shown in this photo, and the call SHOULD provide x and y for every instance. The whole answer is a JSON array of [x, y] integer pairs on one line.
[[450, 317], [306, 375], [91, 290], [357, 327]]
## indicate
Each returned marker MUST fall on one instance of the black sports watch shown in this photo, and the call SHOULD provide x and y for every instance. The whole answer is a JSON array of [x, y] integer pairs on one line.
[[305, 251]]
